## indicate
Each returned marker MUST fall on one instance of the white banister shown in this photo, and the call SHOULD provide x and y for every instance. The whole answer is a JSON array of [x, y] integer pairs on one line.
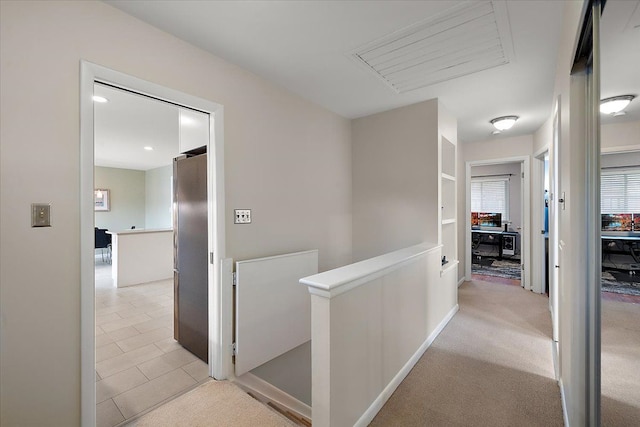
[[371, 321]]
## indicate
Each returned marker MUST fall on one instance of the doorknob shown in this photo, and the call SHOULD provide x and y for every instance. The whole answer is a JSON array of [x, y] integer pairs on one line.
[[557, 266]]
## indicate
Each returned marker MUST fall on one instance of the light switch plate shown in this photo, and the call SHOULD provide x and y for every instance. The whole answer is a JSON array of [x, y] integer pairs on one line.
[[40, 215], [242, 216]]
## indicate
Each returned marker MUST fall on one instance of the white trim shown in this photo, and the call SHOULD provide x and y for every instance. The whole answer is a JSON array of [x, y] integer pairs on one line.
[[385, 394], [554, 218], [565, 415], [332, 283], [267, 392], [90, 73], [525, 253], [226, 316], [525, 246], [453, 264], [556, 360], [541, 151], [461, 281], [537, 222], [87, 268], [621, 149]]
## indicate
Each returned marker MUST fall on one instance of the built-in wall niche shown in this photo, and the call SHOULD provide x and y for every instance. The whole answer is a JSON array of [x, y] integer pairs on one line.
[[448, 212], [448, 238], [448, 199], [448, 159]]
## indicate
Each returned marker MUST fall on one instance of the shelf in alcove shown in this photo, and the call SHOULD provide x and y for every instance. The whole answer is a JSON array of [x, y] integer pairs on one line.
[[448, 221], [449, 177]]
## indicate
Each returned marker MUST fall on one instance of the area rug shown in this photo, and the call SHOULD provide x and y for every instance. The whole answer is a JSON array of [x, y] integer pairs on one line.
[[498, 268], [214, 403], [620, 282]]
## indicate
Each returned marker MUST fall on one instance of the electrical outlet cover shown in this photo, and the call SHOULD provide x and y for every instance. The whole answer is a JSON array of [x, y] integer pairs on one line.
[[242, 216]]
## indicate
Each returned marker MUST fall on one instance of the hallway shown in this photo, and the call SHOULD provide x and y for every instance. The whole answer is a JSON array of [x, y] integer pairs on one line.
[[491, 365]]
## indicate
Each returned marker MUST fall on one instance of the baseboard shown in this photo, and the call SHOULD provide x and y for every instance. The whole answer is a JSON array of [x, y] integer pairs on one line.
[[556, 361], [564, 404], [267, 392], [386, 393], [461, 281]]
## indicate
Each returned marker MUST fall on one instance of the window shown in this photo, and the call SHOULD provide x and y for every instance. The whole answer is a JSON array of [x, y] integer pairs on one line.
[[620, 191], [490, 195]]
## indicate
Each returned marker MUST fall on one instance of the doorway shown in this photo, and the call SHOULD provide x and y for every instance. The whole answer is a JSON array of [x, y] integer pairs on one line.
[[219, 291], [498, 223], [139, 362]]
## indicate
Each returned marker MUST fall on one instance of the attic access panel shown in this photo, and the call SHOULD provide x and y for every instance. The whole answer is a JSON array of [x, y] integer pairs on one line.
[[464, 39]]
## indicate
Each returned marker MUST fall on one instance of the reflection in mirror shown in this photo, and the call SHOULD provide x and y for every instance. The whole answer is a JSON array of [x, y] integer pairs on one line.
[[620, 202]]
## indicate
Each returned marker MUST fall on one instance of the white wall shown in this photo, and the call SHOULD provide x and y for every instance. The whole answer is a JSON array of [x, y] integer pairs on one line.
[[620, 136], [158, 197], [127, 198], [290, 372], [395, 179], [282, 154]]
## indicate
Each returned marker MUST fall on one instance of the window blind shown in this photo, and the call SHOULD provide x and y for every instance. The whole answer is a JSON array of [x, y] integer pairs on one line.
[[620, 191], [490, 195]]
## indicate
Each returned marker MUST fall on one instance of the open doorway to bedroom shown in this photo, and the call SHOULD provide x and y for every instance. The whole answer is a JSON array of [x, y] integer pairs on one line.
[[498, 221]]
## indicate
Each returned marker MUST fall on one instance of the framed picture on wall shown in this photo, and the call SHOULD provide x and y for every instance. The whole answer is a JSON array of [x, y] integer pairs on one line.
[[101, 199]]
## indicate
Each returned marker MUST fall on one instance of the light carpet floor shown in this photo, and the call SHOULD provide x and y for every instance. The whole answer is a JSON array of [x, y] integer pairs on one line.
[[213, 404], [620, 363], [491, 366]]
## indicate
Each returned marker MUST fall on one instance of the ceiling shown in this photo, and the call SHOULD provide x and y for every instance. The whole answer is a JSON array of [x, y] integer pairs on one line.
[[129, 122], [308, 48]]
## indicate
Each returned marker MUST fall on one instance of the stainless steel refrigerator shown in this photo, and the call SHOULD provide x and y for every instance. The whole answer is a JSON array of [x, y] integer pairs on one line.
[[190, 272]]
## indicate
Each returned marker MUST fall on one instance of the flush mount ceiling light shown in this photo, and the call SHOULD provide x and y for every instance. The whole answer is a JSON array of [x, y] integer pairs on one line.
[[503, 123], [148, 148], [99, 99], [615, 104]]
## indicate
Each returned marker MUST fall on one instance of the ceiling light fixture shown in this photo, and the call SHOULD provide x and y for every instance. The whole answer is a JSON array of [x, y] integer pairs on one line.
[[99, 99], [615, 104], [504, 122], [148, 148]]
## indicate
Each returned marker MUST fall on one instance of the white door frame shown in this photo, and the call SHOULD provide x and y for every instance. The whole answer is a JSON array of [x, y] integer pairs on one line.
[[554, 225], [537, 218], [525, 259], [220, 291]]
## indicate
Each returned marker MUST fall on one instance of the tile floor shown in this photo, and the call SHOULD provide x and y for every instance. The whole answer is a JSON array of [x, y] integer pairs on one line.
[[138, 363]]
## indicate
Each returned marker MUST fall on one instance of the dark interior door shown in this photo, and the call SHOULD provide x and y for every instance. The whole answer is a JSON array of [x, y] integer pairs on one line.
[[190, 238]]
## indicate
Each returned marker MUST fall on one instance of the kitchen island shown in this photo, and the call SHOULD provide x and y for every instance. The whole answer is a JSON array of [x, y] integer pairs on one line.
[[141, 256]]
